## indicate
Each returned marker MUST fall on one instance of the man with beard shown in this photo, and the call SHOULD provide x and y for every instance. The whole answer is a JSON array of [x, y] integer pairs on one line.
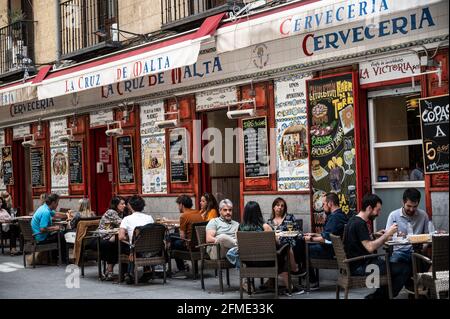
[[359, 242], [222, 230]]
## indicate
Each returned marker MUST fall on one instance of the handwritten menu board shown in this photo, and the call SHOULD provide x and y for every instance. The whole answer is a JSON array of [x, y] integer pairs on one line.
[[125, 159], [434, 113], [256, 163], [76, 162], [332, 142], [178, 156], [7, 167], [37, 167]]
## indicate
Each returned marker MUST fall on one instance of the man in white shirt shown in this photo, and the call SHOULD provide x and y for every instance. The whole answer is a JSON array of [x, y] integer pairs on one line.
[[136, 205]]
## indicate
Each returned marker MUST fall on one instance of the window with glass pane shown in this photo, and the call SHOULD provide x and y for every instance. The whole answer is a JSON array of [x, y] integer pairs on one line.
[[397, 142]]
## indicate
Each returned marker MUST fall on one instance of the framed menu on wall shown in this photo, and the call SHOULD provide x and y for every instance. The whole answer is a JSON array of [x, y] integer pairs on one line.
[[331, 109], [37, 167], [7, 166], [434, 114], [256, 162], [76, 162], [179, 158], [125, 159]]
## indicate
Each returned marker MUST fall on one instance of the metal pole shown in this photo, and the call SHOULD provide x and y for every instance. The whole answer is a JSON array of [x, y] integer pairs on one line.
[[58, 33]]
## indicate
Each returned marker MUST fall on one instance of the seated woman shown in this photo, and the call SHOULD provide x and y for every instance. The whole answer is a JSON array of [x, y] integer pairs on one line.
[[9, 229], [280, 220], [108, 247], [208, 207], [84, 211]]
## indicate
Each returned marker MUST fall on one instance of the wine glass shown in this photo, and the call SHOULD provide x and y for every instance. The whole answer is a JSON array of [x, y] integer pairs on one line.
[[348, 159], [290, 226]]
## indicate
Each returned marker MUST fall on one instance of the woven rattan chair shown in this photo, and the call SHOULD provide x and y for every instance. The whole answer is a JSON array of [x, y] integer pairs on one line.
[[317, 263], [30, 245], [148, 248], [436, 281], [86, 252], [258, 257], [192, 253], [206, 263], [345, 280]]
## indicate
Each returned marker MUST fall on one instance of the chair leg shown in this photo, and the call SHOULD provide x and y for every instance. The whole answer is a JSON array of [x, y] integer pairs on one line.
[[164, 275], [195, 268], [221, 280], [338, 290], [24, 258], [241, 290], [249, 285], [276, 287], [135, 274], [346, 292], [228, 278], [34, 258], [202, 266], [170, 263]]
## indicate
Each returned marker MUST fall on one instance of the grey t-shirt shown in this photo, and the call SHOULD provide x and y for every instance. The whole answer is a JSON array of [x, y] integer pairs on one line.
[[223, 227], [419, 223]]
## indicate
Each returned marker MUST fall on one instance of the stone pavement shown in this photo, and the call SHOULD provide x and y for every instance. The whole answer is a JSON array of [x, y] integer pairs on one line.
[[54, 282]]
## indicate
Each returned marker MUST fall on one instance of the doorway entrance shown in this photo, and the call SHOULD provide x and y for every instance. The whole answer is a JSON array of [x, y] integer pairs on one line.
[[101, 171], [395, 147], [221, 157], [22, 179]]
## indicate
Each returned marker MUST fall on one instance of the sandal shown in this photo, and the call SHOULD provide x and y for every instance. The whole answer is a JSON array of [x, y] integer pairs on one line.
[[109, 276]]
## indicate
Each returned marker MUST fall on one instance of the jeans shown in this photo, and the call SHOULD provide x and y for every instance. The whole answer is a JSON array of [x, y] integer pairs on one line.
[[178, 244], [400, 273]]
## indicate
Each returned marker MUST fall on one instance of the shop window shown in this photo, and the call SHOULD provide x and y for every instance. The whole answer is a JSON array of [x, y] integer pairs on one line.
[[396, 136]]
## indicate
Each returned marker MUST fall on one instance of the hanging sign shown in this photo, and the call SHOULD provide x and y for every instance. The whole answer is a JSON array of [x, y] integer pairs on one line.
[[434, 115]]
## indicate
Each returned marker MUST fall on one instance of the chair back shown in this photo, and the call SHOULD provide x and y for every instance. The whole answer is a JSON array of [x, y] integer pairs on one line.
[[201, 234], [340, 254], [149, 238], [256, 246], [440, 253], [194, 237], [299, 223], [25, 228]]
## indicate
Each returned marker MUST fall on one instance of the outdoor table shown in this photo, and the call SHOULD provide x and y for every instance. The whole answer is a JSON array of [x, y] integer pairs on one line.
[[62, 227], [389, 245], [97, 234], [293, 233]]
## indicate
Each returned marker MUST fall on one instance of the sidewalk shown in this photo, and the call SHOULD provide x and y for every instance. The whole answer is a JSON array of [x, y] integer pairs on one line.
[[50, 282]]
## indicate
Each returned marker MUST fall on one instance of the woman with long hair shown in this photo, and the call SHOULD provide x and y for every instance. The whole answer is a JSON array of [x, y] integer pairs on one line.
[[9, 229], [108, 247], [208, 207], [84, 211]]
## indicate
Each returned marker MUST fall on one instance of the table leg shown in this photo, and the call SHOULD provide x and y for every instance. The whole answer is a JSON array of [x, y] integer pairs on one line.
[[59, 249], [118, 258]]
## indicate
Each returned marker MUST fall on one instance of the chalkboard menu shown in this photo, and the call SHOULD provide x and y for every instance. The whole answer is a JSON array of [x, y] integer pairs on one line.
[[125, 159], [178, 156], [256, 164], [37, 167], [331, 108], [76, 162], [7, 167], [434, 115]]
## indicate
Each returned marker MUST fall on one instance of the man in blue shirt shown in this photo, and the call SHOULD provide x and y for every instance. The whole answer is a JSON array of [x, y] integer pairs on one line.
[[334, 224], [41, 223]]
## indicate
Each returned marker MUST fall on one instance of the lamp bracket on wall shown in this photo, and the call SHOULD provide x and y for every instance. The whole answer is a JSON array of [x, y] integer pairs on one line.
[[123, 106], [68, 137], [170, 123], [438, 72], [240, 113], [27, 141], [117, 131]]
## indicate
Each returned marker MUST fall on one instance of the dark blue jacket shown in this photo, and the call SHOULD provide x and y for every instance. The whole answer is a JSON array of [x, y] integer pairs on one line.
[[334, 224]]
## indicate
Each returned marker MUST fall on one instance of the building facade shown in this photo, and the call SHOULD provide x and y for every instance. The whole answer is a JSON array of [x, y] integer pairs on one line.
[[245, 102]]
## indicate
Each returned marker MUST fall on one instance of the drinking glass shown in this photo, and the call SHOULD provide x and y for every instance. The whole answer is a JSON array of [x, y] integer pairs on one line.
[[289, 226], [348, 159]]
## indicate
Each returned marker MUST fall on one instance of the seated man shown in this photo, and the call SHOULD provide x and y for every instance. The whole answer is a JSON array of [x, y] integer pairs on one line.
[[359, 242], [188, 217], [41, 224], [222, 230], [334, 224], [137, 218]]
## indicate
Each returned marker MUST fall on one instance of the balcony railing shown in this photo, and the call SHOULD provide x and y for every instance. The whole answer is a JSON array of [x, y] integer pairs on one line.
[[176, 13], [82, 22], [16, 47]]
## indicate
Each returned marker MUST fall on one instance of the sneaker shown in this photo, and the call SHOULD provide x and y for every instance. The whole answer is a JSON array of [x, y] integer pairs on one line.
[[109, 276], [129, 280], [299, 273], [158, 268]]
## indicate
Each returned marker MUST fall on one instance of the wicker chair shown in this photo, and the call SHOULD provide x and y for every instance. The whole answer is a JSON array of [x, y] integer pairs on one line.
[[207, 263], [436, 280], [345, 280], [85, 252], [259, 247], [192, 253], [317, 263], [148, 240], [30, 245]]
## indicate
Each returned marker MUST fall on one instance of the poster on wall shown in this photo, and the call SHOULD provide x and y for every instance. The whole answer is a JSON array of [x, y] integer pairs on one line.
[[7, 166], [332, 142], [59, 164], [292, 137], [256, 161], [37, 167], [153, 145], [178, 156], [434, 114], [125, 159], [76, 162]]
